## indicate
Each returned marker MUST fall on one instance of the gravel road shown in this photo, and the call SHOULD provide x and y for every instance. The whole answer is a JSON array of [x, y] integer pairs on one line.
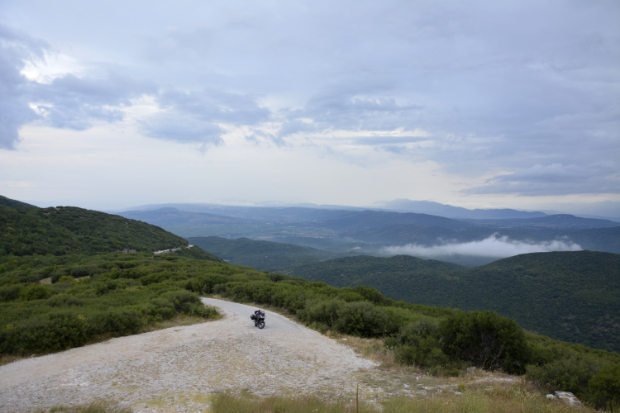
[[176, 369]]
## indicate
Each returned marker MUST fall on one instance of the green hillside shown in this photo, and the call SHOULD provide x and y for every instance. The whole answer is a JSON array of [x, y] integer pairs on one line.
[[11, 203], [392, 274], [65, 230], [571, 296], [261, 255], [598, 239]]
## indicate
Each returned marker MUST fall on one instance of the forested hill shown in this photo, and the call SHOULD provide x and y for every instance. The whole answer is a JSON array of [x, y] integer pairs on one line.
[[571, 296], [11, 203], [70, 230], [355, 271], [261, 255]]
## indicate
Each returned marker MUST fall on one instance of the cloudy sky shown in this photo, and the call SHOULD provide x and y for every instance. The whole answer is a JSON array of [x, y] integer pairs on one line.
[[109, 104]]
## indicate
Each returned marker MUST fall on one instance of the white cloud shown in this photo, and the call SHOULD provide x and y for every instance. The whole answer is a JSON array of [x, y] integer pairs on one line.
[[493, 246]]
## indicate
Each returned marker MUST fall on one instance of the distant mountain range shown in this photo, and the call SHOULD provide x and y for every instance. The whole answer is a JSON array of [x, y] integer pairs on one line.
[[333, 230], [448, 211]]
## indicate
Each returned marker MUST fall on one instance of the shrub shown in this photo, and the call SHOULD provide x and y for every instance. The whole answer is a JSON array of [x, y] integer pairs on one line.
[[567, 374], [324, 312], [35, 292], [418, 344], [485, 340], [182, 300], [361, 318], [10, 292], [51, 332], [604, 387], [370, 294], [118, 321]]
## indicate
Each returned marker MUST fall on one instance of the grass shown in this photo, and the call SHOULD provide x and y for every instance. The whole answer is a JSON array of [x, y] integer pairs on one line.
[[6, 359], [244, 403], [95, 407], [517, 399], [494, 399], [369, 348]]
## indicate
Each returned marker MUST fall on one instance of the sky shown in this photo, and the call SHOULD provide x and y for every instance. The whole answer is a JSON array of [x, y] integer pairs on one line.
[[480, 104]]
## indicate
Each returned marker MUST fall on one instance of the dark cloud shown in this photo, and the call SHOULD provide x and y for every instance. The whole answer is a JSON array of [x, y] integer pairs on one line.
[[15, 49], [67, 102]]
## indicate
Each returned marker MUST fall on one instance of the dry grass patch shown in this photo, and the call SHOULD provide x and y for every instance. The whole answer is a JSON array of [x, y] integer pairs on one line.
[[515, 399], [244, 403], [6, 359], [95, 407]]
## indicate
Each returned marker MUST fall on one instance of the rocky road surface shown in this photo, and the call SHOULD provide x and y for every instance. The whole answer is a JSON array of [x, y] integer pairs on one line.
[[176, 369]]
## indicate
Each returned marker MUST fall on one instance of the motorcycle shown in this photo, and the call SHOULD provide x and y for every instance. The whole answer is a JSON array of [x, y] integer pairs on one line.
[[259, 319]]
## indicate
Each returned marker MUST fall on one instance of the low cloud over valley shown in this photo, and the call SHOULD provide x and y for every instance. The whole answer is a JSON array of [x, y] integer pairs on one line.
[[494, 246]]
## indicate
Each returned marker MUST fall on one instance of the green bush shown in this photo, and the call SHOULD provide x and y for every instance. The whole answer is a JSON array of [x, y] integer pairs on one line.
[[323, 312], [418, 344], [361, 318], [50, 332], [10, 293], [604, 387], [485, 340], [35, 292], [118, 321]]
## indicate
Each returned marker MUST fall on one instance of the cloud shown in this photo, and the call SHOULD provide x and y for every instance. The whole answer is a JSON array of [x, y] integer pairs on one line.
[[75, 103], [15, 49], [197, 116], [67, 102], [554, 179], [181, 128], [344, 110], [493, 246]]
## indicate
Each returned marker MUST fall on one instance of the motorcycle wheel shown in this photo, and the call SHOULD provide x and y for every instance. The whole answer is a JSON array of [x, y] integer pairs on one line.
[[261, 324]]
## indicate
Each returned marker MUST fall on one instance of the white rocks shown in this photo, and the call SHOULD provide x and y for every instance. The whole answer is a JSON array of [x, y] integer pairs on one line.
[[566, 397]]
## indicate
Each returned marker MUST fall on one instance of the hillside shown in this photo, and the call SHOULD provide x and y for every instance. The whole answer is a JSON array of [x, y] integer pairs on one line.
[[171, 216], [571, 296], [371, 219], [448, 211], [11, 203], [598, 239], [261, 255], [70, 230], [560, 221]]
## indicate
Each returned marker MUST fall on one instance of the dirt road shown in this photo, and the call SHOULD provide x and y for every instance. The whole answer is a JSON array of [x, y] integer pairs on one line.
[[178, 368]]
